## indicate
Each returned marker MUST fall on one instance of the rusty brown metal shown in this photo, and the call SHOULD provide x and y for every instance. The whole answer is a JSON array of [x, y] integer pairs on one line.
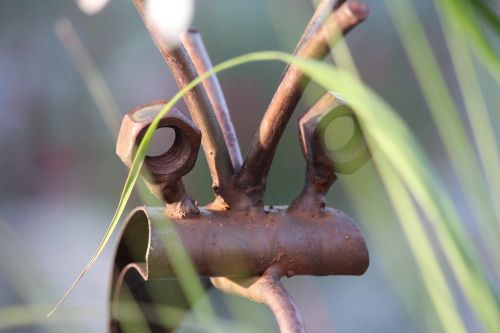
[[236, 245], [163, 173], [198, 103], [322, 164], [322, 11], [315, 45], [196, 50], [269, 290], [244, 247]]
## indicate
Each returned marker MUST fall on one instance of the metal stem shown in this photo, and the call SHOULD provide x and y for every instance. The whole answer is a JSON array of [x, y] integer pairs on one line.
[[269, 290], [253, 174], [196, 50], [281, 303], [201, 110], [322, 11]]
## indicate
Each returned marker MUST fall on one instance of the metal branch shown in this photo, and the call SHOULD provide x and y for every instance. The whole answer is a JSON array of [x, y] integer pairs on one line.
[[269, 290], [281, 303], [322, 11], [199, 105], [252, 176], [196, 50]]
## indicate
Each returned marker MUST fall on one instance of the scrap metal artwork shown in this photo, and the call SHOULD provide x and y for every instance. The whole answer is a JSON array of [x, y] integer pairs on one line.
[[243, 246]]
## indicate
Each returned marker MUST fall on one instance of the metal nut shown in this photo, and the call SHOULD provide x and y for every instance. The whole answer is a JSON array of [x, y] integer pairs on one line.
[[313, 125], [174, 163]]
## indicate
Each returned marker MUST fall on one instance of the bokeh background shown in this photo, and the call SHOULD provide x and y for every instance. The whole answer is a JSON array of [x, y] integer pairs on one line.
[[60, 179]]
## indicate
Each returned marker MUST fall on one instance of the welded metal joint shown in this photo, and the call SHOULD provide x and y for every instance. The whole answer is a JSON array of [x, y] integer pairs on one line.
[[243, 246]]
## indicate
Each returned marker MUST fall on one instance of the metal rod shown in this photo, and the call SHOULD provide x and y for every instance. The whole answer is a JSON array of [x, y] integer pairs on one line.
[[322, 11], [281, 303], [269, 290], [196, 50], [216, 151], [339, 23], [252, 176], [231, 243]]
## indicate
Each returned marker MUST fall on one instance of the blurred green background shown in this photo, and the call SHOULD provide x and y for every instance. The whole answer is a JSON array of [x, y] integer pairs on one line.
[[61, 180]]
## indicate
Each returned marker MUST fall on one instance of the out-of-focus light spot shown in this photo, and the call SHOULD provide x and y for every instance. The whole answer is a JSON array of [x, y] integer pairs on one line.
[[91, 7], [170, 17]]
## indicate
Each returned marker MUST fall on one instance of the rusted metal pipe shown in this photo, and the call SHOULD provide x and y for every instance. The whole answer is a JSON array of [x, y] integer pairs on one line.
[[253, 174], [199, 106], [237, 244]]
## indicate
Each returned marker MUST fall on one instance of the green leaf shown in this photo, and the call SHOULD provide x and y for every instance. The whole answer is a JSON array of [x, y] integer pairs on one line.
[[392, 138]]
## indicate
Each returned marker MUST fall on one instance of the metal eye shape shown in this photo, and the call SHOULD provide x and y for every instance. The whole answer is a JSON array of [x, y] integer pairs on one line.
[[313, 128], [178, 160]]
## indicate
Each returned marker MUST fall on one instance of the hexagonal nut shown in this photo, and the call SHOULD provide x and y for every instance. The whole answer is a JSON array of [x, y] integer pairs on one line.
[[313, 125], [175, 162]]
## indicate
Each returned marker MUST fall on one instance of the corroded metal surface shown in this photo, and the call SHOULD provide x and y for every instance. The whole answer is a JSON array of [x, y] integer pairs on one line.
[[164, 172], [198, 103], [238, 244], [252, 177], [322, 164], [267, 289], [196, 50], [243, 246]]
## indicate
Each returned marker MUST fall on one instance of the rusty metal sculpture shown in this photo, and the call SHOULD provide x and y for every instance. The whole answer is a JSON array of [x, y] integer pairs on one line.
[[242, 245]]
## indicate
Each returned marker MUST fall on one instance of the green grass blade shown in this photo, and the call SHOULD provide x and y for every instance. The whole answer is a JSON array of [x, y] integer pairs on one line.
[[394, 140], [433, 277], [18, 316], [107, 106], [446, 118], [477, 113], [189, 279], [430, 270], [141, 153], [488, 14], [462, 13], [127, 190], [90, 73]]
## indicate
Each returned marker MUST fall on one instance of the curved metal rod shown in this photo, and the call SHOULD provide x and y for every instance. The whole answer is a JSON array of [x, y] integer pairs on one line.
[[281, 303], [253, 174], [322, 11], [269, 290]]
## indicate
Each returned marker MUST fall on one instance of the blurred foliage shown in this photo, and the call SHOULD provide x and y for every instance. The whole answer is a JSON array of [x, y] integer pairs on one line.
[[445, 207]]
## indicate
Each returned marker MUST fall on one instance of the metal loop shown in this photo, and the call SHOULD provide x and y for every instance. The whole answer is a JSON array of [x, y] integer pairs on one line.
[[180, 158], [355, 152], [313, 125]]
